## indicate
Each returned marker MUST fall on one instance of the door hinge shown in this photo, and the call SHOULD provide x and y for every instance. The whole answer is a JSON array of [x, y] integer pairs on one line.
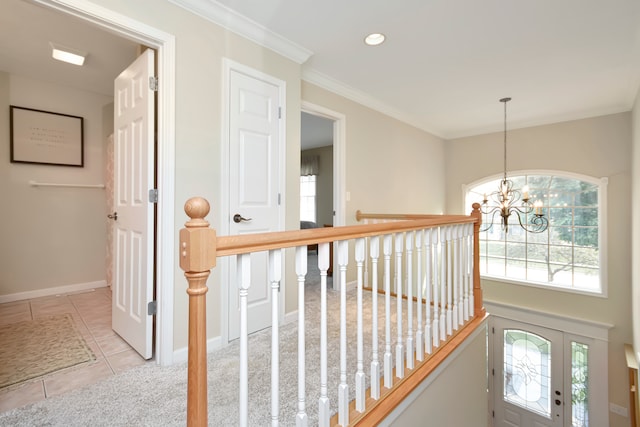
[[152, 308], [153, 83], [493, 372], [279, 201], [493, 330], [153, 195], [279, 112], [493, 414]]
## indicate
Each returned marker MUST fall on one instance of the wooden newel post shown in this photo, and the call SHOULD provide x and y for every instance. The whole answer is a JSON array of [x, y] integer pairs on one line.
[[478, 305], [197, 258]]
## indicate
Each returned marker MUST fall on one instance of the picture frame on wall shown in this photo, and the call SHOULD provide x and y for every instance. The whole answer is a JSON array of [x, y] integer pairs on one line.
[[45, 137]]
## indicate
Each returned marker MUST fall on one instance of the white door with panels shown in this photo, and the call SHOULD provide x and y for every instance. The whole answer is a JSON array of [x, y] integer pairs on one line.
[[133, 216], [255, 144]]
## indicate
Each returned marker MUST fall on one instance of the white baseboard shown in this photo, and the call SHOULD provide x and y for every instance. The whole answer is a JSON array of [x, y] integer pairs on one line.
[[59, 290], [291, 317], [181, 355]]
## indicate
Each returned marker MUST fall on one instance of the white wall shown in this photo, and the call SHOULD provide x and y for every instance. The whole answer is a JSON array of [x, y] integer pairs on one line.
[[598, 147], [51, 237]]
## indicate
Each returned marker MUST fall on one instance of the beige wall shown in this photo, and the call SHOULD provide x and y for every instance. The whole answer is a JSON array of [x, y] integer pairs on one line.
[[598, 147], [324, 184], [461, 384], [635, 206], [390, 166], [51, 237]]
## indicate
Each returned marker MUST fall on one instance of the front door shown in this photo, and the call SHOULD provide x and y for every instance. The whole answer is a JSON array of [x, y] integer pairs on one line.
[[255, 141], [528, 375], [133, 217]]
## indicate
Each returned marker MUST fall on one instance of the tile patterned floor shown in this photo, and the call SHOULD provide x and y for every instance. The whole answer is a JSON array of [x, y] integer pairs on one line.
[[91, 312]]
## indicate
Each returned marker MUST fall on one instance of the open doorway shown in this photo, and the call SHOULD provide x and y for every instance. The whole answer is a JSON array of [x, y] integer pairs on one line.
[[123, 27], [323, 135]]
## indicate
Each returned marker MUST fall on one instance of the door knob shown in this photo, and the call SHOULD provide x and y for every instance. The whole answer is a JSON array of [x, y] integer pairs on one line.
[[238, 218], [113, 216]]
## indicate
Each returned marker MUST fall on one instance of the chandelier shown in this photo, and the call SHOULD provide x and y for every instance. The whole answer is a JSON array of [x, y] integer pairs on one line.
[[507, 200]]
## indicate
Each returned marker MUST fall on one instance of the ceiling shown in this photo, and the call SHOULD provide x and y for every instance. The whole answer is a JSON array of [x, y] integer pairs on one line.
[[443, 68]]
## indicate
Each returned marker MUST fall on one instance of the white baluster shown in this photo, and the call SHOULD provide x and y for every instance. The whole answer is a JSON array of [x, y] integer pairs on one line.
[[301, 272], [360, 378], [374, 251], [460, 264], [471, 275], [428, 289], [275, 275], [409, 265], [399, 343], [449, 256], [324, 413], [388, 361], [436, 286], [419, 284], [443, 283], [343, 388], [455, 260], [244, 282], [467, 270]]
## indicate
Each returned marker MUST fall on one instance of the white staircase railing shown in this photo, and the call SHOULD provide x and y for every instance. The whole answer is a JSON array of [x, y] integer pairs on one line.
[[429, 257]]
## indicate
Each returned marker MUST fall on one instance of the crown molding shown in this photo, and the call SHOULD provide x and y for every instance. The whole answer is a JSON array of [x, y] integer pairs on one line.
[[332, 85], [231, 20]]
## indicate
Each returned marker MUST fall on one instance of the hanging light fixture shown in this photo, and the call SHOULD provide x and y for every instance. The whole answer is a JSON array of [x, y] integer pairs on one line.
[[507, 200]]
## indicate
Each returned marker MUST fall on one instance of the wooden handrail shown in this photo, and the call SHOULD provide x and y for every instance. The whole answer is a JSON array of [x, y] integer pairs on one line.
[[247, 243], [406, 217]]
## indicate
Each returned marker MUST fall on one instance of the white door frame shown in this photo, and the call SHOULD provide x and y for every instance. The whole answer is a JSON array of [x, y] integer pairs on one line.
[[339, 162], [223, 266], [164, 44]]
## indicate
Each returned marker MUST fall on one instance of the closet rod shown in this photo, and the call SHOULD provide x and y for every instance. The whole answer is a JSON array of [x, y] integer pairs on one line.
[[51, 184]]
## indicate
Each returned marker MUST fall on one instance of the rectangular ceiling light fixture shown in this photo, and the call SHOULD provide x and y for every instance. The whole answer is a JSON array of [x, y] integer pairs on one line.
[[67, 54]]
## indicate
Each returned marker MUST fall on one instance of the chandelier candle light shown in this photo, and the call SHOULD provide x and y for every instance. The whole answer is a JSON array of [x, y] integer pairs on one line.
[[507, 200]]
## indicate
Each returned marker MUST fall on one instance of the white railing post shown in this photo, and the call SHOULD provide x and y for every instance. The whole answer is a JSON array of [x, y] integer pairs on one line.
[[437, 260], [468, 237], [455, 261], [409, 281], [244, 282], [428, 290], [460, 264], [360, 378], [275, 275], [324, 412], [419, 284], [301, 272], [449, 256], [388, 361], [343, 388], [374, 250], [443, 283], [398, 272]]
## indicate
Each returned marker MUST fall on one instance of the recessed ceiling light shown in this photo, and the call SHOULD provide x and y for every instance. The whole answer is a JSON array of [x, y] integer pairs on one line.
[[67, 54], [374, 39]]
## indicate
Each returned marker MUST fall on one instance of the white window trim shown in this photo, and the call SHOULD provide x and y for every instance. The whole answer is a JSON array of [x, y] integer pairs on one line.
[[602, 184]]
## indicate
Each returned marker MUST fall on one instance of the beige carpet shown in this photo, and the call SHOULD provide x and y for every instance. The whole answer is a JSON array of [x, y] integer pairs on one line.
[[33, 348]]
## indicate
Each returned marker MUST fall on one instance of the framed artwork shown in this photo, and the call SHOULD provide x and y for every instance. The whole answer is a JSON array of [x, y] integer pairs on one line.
[[47, 138]]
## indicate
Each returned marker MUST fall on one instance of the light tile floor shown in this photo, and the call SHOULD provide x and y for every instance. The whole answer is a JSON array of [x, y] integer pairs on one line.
[[91, 312]]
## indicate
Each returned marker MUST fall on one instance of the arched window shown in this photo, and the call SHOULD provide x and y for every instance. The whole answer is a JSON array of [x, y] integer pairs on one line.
[[568, 255]]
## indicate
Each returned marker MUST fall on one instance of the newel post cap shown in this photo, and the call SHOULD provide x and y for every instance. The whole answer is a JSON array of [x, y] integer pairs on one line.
[[197, 240]]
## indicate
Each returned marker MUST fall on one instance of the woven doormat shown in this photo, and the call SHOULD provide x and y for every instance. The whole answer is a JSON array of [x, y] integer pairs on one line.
[[33, 348]]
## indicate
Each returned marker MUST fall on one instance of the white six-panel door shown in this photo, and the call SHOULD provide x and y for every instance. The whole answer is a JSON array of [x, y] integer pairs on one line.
[[133, 229], [254, 177]]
